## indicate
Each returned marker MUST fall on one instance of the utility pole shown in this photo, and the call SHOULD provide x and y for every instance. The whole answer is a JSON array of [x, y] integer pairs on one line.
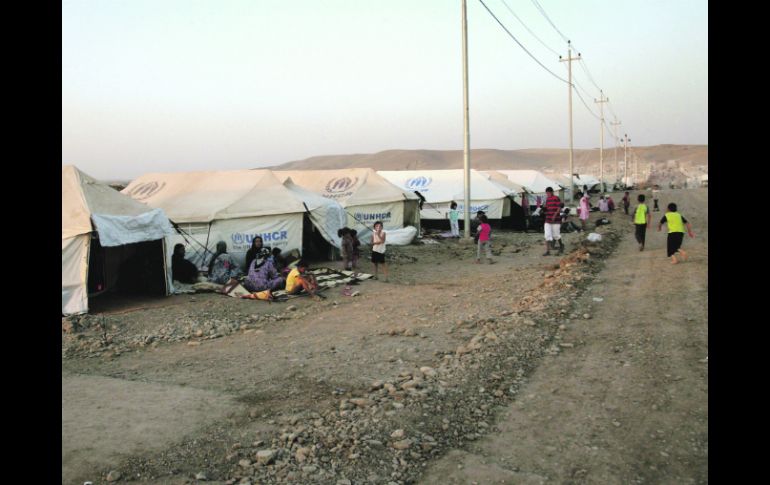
[[601, 102], [569, 60], [466, 132], [626, 139], [616, 123]]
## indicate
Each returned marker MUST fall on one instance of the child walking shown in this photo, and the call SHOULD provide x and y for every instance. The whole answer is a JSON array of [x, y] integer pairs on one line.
[[485, 231], [378, 250], [676, 224], [641, 221]]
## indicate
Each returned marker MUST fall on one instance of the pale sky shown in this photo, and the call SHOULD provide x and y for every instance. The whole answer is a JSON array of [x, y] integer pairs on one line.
[[179, 85]]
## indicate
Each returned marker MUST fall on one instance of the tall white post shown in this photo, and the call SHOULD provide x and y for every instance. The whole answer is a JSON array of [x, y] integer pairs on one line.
[[569, 60], [601, 102], [466, 132]]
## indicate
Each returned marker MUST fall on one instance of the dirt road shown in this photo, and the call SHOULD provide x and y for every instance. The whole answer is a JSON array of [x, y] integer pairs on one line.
[[628, 403], [489, 366]]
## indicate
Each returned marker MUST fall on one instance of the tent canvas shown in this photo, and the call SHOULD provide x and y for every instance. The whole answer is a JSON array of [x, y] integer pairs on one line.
[[94, 213], [234, 207], [441, 187], [535, 182], [366, 196]]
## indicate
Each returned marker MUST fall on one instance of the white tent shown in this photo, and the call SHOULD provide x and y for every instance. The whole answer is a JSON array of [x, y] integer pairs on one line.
[[234, 207], [592, 182], [441, 187], [96, 217], [534, 182], [366, 196]]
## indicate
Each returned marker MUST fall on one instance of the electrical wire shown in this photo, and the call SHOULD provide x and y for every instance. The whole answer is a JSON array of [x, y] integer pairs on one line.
[[520, 44], [549, 20], [528, 29]]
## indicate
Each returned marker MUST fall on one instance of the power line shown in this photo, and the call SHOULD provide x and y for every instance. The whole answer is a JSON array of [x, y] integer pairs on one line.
[[520, 44], [584, 103], [528, 29], [549, 20]]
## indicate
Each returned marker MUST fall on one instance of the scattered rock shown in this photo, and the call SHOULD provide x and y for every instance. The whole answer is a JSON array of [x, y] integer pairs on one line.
[[403, 444], [114, 476], [265, 457], [397, 434]]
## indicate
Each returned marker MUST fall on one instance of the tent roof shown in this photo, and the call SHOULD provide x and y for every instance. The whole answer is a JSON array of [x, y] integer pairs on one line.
[[532, 180], [349, 187], [506, 184], [208, 196], [582, 179], [444, 185], [84, 197]]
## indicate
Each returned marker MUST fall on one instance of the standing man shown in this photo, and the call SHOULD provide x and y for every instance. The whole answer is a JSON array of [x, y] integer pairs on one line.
[[552, 225], [626, 202]]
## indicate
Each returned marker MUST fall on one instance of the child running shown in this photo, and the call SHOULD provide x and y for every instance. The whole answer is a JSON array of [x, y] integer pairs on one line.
[[676, 224], [641, 221]]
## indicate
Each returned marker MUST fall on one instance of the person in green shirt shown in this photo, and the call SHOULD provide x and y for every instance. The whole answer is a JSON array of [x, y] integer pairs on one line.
[[641, 221], [454, 215]]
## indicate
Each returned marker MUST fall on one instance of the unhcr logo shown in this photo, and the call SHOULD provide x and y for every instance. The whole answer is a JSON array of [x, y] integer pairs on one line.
[[418, 183], [146, 190], [340, 184]]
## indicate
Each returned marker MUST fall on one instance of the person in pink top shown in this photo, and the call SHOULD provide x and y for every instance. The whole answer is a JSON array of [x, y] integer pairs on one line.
[[485, 231], [584, 209]]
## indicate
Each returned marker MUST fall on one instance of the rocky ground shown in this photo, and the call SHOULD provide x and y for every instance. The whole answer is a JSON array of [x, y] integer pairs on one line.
[[376, 388]]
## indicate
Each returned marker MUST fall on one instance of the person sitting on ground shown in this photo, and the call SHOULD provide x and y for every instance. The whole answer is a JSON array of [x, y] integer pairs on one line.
[[223, 266], [278, 260], [262, 274], [299, 279], [253, 252], [603, 205], [182, 270]]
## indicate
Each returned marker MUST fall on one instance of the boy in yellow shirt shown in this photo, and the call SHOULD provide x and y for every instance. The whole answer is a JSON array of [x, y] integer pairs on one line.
[[676, 224], [298, 280]]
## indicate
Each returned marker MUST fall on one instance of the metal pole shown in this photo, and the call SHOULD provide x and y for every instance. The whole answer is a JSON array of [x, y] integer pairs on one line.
[[601, 102], [569, 60], [466, 132]]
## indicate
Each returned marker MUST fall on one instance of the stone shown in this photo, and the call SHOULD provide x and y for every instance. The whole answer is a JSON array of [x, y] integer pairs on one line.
[[291, 308], [265, 457], [403, 444], [361, 402], [587, 316], [201, 476], [113, 476], [245, 463], [309, 469], [301, 454], [397, 434], [428, 371]]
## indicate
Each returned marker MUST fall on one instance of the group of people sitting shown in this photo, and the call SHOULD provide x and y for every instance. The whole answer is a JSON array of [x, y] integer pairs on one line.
[[265, 270]]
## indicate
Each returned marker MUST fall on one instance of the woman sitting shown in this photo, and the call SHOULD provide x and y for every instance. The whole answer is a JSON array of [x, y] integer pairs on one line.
[[262, 274], [182, 270], [222, 266]]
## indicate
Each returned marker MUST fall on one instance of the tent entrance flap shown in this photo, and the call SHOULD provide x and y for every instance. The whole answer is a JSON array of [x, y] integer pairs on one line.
[[136, 268]]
